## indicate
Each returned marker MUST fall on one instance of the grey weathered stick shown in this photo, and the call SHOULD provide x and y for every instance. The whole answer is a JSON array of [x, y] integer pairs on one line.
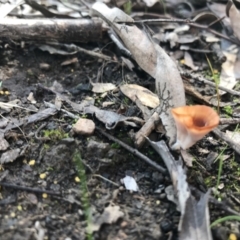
[[228, 140], [28, 189], [202, 79], [133, 151], [74, 30]]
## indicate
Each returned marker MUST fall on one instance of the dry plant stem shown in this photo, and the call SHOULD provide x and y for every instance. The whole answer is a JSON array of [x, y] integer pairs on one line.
[[45, 12], [133, 151], [229, 121], [73, 47], [119, 43], [37, 132], [199, 50], [229, 141], [69, 114], [17, 126], [217, 203], [167, 157], [146, 15], [74, 30], [107, 180], [191, 91], [163, 20], [3, 175], [146, 129], [216, 84], [223, 206], [190, 23], [201, 79], [28, 189]]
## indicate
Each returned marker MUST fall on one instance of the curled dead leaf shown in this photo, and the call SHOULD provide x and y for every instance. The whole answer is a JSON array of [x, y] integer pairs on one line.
[[145, 96]]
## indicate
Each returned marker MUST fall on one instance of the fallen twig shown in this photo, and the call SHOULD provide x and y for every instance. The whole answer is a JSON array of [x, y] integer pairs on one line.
[[186, 21], [229, 141], [28, 189], [64, 30], [105, 179], [76, 48], [202, 79], [219, 204], [133, 151], [229, 121]]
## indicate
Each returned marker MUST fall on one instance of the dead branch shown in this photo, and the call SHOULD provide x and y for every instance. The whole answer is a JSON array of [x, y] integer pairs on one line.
[[190, 23], [229, 121], [133, 151], [198, 77], [28, 189], [235, 146], [64, 30]]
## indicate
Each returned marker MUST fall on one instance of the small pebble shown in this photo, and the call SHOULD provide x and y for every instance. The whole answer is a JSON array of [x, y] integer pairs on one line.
[[44, 66], [124, 224], [84, 126]]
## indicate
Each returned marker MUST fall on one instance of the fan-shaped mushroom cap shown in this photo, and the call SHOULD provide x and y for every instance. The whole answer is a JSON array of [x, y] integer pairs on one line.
[[193, 123]]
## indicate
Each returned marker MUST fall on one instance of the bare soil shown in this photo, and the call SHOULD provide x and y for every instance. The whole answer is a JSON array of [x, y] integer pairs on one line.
[[61, 213]]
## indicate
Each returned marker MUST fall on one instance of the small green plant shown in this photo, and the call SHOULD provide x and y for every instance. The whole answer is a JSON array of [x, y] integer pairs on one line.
[[216, 77], [126, 101], [220, 157], [224, 219], [84, 191], [208, 181], [228, 110], [115, 145], [128, 7], [46, 146], [220, 167], [151, 152], [164, 6], [55, 134]]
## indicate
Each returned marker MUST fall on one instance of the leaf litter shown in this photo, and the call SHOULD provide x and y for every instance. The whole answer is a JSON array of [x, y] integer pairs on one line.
[[193, 43]]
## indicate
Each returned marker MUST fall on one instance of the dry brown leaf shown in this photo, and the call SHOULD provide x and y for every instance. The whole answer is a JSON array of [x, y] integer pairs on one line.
[[110, 215], [102, 87], [194, 222], [3, 143], [31, 98], [7, 7], [188, 61], [227, 77], [150, 3], [234, 15], [10, 156], [145, 96], [112, 119], [235, 136], [69, 61]]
